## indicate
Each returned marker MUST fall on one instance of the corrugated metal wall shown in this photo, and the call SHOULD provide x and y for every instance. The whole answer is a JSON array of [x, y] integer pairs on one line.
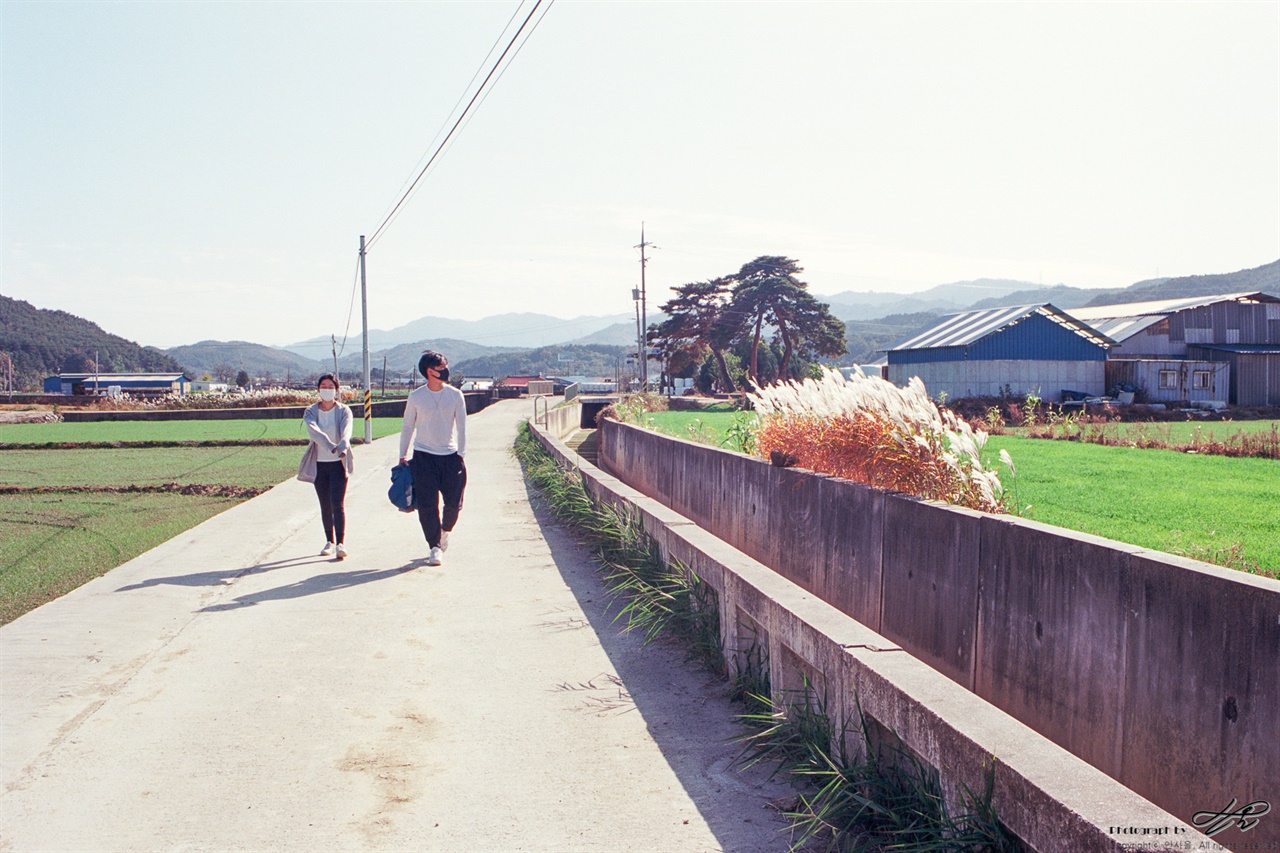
[[1255, 377], [1035, 338], [1146, 374]]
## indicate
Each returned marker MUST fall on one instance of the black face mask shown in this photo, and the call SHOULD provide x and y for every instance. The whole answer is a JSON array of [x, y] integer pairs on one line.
[[444, 373]]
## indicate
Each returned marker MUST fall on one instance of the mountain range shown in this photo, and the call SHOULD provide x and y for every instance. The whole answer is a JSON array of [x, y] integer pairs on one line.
[[44, 342]]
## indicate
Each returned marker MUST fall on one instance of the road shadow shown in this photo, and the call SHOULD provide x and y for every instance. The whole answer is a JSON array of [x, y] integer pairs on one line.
[[314, 585], [685, 706], [223, 577]]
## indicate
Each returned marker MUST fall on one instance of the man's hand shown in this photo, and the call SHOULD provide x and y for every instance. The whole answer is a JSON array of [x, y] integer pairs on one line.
[[404, 461]]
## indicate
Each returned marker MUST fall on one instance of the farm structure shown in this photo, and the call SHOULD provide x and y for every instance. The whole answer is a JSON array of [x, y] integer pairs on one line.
[[136, 384], [1193, 338], [1015, 351]]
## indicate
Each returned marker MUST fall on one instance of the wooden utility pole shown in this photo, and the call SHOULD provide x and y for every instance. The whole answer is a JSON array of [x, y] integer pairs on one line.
[[364, 319], [642, 350]]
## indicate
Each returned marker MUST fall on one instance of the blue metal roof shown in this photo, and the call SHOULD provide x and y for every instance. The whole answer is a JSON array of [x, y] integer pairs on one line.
[[958, 330]]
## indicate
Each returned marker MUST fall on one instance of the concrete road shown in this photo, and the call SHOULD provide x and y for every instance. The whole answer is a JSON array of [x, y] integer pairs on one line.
[[231, 690]]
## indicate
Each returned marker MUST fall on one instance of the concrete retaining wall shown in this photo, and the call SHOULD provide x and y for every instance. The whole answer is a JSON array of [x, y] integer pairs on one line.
[[1049, 798], [1158, 671]]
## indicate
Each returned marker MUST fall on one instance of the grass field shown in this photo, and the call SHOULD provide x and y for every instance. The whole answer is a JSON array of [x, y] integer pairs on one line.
[[256, 467], [1177, 431], [52, 542], [244, 430], [1213, 508]]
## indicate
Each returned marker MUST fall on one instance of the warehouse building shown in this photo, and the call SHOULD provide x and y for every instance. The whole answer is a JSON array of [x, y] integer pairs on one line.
[[133, 384], [1221, 348], [995, 352]]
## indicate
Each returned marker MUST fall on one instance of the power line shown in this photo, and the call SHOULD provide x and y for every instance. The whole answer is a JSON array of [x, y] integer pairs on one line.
[[470, 104], [470, 83]]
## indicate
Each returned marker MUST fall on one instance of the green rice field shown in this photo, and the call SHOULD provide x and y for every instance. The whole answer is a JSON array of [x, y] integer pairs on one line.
[[53, 541], [1213, 508]]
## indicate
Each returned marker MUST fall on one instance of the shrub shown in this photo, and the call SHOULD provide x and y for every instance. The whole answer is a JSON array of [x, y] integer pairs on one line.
[[871, 431]]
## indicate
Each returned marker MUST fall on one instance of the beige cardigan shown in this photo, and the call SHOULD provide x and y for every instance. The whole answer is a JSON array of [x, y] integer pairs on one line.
[[311, 420]]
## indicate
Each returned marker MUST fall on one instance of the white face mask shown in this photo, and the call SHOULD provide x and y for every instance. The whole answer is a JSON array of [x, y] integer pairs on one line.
[[327, 394]]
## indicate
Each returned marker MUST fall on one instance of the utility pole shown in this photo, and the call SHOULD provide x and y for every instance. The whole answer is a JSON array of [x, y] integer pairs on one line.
[[333, 341], [644, 316], [364, 318]]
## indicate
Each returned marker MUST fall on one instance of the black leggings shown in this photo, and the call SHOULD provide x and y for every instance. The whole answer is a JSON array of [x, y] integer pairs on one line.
[[434, 477], [331, 488]]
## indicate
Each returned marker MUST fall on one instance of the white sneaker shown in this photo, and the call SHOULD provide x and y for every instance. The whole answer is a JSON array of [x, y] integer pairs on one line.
[[433, 559], [342, 551], [327, 549], [444, 540]]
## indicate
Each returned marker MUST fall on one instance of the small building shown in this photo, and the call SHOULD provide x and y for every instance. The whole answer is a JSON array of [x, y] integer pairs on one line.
[[1239, 329], [1254, 370], [204, 386], [133, 384], [1029, 349], [1171, 380]]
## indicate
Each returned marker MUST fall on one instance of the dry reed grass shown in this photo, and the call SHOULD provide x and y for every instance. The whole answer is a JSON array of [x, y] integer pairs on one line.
[[871, 431]]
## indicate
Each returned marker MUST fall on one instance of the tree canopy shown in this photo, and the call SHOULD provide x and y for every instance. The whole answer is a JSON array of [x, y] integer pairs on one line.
[[736, 312]]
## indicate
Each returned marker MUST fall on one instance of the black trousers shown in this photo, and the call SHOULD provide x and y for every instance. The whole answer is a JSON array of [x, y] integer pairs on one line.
[[331, 488], [435, 477]]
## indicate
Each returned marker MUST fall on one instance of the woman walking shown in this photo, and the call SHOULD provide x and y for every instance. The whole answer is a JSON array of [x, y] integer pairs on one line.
[[328, 461]]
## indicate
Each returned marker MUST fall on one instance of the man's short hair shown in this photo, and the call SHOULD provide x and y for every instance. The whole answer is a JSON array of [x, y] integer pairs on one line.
[[429, 360]]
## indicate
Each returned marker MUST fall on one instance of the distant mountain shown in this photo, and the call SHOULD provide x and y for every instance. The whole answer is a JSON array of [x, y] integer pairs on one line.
[[616, 335], [1265, 278], [866, 339], [502, 330], [1061, 295], [568, 360], [852, 305], [222, 360], [42, 343], [404, 358]]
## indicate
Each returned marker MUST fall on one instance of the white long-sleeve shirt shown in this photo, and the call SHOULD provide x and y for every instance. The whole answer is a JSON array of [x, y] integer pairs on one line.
[[435, 422]]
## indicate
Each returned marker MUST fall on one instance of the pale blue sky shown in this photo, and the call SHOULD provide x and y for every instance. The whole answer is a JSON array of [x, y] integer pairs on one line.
[[203, 170]]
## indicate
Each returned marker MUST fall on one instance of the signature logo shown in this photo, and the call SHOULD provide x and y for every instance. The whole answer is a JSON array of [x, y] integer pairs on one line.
[[1245, 817]]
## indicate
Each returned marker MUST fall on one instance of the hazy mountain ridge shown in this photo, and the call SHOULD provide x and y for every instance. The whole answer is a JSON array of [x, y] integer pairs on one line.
[[507, 331], [43, 342], [1265, 278]]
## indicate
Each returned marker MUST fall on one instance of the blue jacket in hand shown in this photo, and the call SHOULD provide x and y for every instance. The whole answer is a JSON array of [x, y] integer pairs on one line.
[[401, 491]]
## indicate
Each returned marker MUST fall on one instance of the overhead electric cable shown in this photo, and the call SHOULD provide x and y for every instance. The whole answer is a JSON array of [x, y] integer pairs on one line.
[[400, 204], [484, 62]]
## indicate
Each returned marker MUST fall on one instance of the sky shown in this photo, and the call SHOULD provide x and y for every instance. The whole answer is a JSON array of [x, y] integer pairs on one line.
[[188, 171]]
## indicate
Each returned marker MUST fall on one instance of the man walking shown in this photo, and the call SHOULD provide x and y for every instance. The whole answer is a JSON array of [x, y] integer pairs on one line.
[[435, 421]]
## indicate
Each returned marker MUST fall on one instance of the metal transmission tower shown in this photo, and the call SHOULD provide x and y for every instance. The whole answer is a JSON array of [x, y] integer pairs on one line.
[[642, 350]]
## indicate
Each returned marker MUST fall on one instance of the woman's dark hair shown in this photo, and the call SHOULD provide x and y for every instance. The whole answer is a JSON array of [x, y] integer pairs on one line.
[[430, 359], [331, 378]]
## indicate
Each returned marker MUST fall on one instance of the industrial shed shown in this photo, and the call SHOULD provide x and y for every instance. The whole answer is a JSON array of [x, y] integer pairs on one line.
[[1201, 333], [1254, 370], [135, 384], [1036, 349]]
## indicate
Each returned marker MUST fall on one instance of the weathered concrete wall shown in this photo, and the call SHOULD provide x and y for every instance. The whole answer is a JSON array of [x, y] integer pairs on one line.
[[1049, 798], [1158, 671], [561, 421]]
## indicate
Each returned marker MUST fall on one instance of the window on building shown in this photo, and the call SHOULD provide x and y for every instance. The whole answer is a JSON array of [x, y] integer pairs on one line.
[[1168, 379], [1201, 379]]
